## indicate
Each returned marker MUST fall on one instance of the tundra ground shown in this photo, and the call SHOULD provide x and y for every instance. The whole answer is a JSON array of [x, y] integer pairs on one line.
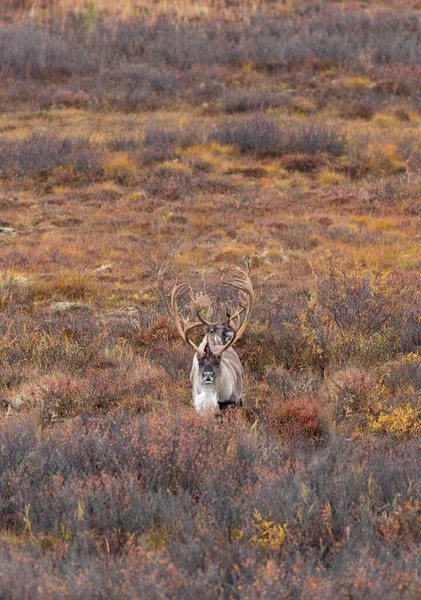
[[195, 135]]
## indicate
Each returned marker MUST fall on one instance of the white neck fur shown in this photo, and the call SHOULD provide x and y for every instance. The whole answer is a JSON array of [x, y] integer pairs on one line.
[[207, 399]]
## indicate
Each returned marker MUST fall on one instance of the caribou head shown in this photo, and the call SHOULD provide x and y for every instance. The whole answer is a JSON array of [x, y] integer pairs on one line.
[[208, 366], [217, 373]]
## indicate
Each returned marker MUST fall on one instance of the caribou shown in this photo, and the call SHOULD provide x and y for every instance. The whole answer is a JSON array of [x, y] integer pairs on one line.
[[217, 373]]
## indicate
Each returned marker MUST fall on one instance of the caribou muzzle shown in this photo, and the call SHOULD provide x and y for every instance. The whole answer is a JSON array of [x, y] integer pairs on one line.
[[208, 377]]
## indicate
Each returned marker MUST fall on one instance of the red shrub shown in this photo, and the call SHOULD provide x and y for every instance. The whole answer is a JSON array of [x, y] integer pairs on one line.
[[299, 418], [71, 99], [162, 329]]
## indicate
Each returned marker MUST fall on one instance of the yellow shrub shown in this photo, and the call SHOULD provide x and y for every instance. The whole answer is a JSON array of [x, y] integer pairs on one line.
[[383, 224], [385, 121], [236, 251], [194, 151], [120, 169], [360, 221], [196, 255], [359, 81], [174, 165], [158, 537], [220, 149], [59, 190], [402, 421], [304, 106], [66, 285], [327, 177], [385, 159], [269, 535]]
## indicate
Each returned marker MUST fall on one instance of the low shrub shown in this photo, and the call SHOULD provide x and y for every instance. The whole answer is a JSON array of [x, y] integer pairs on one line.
[[298, 418], [352, 390], [16, 291], [264, 136], [179, 492], [404, 374], [365, 311], [41, 154], [243, 102], [403, 421], [68, 98], [97, 392], [121, 169], [305, 163]]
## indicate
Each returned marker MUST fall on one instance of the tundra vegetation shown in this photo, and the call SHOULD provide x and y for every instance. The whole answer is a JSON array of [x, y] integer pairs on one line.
[[137, 134]]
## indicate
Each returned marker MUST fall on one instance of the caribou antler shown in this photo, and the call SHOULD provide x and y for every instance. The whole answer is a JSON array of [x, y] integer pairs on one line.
[[200, 302], [234, 320], [184, 326], [240, 280], [162, 273]]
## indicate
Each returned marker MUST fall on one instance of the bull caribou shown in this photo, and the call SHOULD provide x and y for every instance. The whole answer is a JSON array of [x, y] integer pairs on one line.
[[217, 373]]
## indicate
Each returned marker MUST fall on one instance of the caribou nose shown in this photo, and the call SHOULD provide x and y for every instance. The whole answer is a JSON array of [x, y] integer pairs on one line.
[[208, 376]]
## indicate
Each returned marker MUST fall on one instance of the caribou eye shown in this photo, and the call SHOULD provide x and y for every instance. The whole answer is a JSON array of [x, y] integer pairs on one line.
[[211, 330]]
